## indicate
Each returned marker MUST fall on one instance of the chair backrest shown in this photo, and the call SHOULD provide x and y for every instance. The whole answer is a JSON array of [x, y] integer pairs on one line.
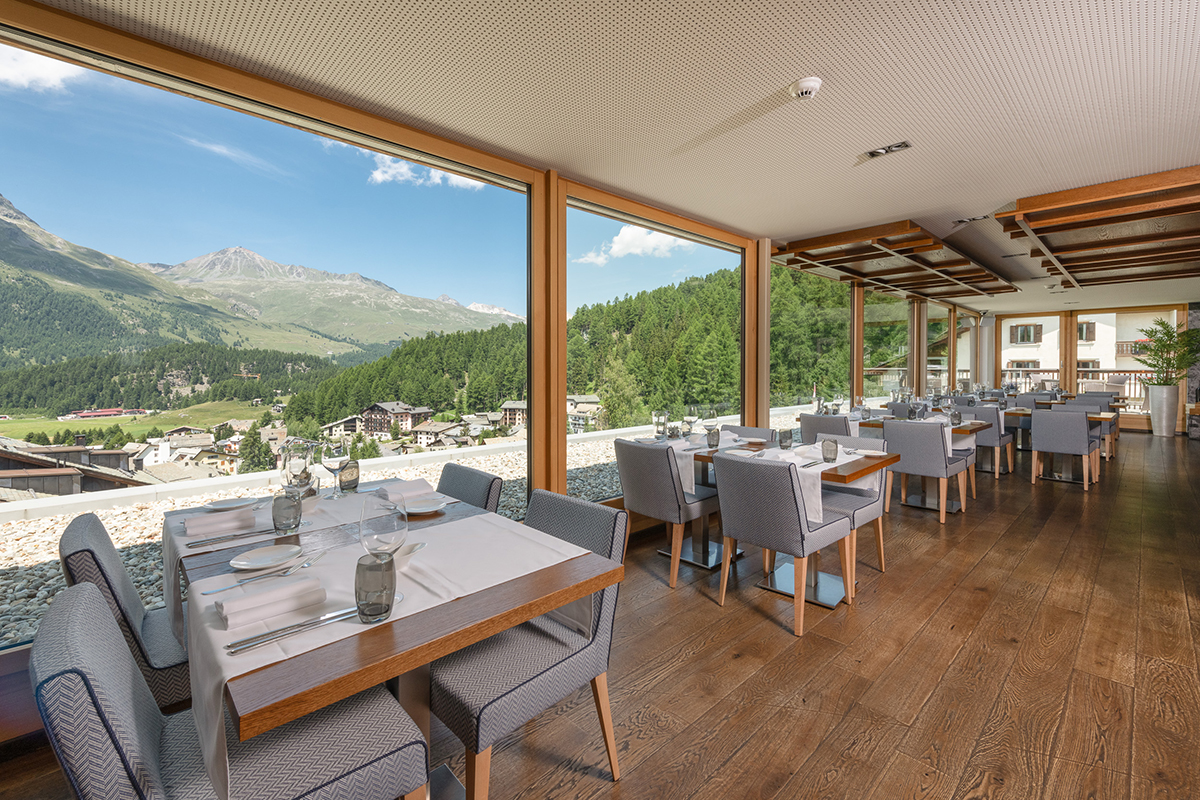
[[88, 556], [472, 486], [589, 525], [900, 410], [988, 437], [770, 434], [812, 425], [1078, 405], [98, 711], [921, 445], [1027, 400], [761, 503], [996, 393], [1062, 430], [965, 400], [650, 480], [865, 444]]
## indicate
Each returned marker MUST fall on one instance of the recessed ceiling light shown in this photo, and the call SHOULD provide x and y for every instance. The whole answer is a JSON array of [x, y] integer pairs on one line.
[[887, 149], [965, 220], [1071, 303]]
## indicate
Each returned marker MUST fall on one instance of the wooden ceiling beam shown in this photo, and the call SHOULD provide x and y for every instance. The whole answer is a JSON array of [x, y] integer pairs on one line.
[[1193, 272], [1122, 219], [848, 237], [1162, 252], [1102, 192], [1113, 244], [926, 266], [1124, 265], [1171, 202], [1047, 253]]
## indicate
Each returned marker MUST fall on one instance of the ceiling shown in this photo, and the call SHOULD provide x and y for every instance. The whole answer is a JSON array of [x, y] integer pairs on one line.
[[684, 105]]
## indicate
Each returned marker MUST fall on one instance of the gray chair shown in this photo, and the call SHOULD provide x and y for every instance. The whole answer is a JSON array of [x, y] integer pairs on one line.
[[651, 485], [112, 740], [900, 410], [88, 556], [922, 449], [761, 503], [1024, 400], [861, 504], [490, 689], [472, 486], [1065, 431], [965, 400], [994, 437], [813, 425], [770, 434], [968, 452], [1110, 429]]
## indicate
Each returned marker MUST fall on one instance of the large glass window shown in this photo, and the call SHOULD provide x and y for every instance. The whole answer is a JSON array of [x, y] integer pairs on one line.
[[937, 349], [654, 325], [965, 347], [810, 342], [1029, 352], [885, 344], [1106, 352]]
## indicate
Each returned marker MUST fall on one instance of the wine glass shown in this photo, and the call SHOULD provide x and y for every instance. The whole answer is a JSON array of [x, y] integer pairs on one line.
[[297, 462], [382, 525], [690, 420], [335, 458]]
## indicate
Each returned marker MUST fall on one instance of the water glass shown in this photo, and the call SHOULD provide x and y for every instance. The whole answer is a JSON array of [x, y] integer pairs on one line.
[[912, 412], [866, 412], [660, 423], [348, 477], [374, 588], [785, 439], [714, 437], [829, 450], [285, 511], [956, 417]]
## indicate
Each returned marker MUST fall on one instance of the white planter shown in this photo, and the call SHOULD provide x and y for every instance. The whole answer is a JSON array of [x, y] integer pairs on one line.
[[1164, 409]]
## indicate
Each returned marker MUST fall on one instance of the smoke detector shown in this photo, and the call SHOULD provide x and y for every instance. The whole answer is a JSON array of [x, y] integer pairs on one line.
[[805, 88]]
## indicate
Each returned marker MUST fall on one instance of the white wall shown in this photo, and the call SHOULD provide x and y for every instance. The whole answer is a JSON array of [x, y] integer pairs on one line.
[[1046, 353], [1104, 349]]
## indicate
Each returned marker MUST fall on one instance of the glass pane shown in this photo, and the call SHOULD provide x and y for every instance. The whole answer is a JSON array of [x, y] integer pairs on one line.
[[885, 345], [964, 355], [810, 343], [937, 349], [1107, 363], [1029, 352], [655, 325]]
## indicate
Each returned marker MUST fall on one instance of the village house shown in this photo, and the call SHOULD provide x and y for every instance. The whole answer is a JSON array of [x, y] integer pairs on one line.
[[515, 412], [347, 426], [378, 418], [430, 431]]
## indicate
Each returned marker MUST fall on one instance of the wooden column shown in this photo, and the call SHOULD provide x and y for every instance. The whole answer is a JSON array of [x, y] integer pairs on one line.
[[857, 338], [548, 334], [917, 317], [756, 280], [952, 348]]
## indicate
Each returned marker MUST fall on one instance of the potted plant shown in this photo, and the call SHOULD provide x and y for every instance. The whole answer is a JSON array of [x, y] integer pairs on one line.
[[1168, 351]]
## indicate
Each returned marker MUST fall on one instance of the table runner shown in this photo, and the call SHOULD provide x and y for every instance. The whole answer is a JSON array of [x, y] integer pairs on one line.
[[461, 557], [685, 456], [323, 515]]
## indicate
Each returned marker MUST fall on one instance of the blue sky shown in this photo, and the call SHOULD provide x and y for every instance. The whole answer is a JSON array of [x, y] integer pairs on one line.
[[151, 176]]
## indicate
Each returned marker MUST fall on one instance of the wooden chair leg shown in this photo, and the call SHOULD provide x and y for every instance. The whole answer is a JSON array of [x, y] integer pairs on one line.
[[628, 529], [417, 794], [1033, 473], [726, 556], [847, 577], [479, 768], [604, 711], [962, 490], [800, 580], [943, 484], [768, 562], [854, 562], [676, 550], [887, 498], [971, 469], [903, 486], [1012, 447], [996, 463], [879, 543], [1087, 467]]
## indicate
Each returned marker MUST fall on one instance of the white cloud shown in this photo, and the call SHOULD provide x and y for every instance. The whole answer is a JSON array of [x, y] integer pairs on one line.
[[632, 240], [462, 182], [389, 169], [235, 155], [25, 70]]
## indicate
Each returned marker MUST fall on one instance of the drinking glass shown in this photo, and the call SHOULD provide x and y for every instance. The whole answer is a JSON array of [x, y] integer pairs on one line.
[[785, 439], [866, 412], [382, 525], [1003, 404], [285, 511], [348, 479], [674, 429], [660, 423], [956, 417], [829, 450], [912, 412], [297, 463], [335, 459], [714, 437], [690, 420], [374, 588]]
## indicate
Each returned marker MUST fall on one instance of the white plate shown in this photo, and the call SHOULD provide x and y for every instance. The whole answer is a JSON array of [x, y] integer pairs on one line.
[[739, 452], [265, 557], [752, 440], [862, 452], [232, 504], [647, 440], [424, 506]]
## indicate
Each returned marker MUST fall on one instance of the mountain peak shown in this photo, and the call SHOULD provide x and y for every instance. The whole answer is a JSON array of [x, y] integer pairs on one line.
[[11, 213], [447, 299]]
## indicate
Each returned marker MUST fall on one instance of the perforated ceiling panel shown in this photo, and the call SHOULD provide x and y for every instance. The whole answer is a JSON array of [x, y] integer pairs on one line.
[[684, 104]]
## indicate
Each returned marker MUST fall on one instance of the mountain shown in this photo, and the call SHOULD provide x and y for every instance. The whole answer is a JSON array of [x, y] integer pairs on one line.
[[63, 300], [484, 308], [347, 307]]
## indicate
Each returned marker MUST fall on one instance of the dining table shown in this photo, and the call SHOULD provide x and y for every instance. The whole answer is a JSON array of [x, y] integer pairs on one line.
[[480, 574], [850, 468]]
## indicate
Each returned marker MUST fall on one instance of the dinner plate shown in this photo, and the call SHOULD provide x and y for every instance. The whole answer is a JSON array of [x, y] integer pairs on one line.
[[231, 504], [424, 506], [862, 452], [265, 557], [647, 440], [739, 452], [753, 440]]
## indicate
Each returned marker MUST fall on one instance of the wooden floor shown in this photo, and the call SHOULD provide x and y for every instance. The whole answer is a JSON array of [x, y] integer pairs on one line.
[[1044, 644]]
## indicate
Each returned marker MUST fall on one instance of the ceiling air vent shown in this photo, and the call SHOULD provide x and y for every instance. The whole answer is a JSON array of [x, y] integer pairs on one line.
[[891, 148], [965, 220]]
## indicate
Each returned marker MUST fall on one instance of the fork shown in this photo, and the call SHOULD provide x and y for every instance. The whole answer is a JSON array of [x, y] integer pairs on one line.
[[272, 574]]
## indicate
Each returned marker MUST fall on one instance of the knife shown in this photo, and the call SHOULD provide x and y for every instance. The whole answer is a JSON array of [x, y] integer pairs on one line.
[[251, 642], [811, 464], [230, 537]]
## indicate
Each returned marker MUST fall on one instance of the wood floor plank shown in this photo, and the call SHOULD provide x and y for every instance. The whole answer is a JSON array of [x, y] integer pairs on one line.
[[1108, 647], [1097, 723], [1164, 627], [849, 761], [1166, 727], [998, 771], [906, 778], [1071, 586], [1070, 780]]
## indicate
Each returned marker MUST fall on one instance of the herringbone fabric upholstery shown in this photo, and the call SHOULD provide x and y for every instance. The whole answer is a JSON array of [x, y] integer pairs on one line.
[[812, 425], [995, 435], [761, 503], [113, 742], [1063, 432], [493, 687], [651, 485], [860, 514], [88, 556], [922, 449], [900, 410], [770, 434], [472, 486]]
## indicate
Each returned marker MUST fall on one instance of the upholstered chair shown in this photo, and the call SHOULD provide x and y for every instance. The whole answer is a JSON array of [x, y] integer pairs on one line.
[[1065, 430], [813, 425], [862, 504], [472, 486], [769, 434], [923, 452], [995, 437]]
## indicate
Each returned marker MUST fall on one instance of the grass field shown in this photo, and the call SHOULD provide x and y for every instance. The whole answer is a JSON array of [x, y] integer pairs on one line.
[[204, 415]]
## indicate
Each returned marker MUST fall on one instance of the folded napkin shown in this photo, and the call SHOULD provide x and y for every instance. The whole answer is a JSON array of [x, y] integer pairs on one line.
[[280, 597], [405, 490], [219, 523]]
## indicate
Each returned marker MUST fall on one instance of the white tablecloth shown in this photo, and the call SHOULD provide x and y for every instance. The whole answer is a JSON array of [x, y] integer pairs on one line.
[[810, 478], [321, 514], [462, 557], [685, 455]]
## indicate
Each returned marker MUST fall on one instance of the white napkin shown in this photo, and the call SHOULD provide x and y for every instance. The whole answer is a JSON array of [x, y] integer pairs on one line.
[[217, 524], [406, 490], [280, 597]]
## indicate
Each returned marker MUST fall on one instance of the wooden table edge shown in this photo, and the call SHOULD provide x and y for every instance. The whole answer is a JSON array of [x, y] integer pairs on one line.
[[257, 704]]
